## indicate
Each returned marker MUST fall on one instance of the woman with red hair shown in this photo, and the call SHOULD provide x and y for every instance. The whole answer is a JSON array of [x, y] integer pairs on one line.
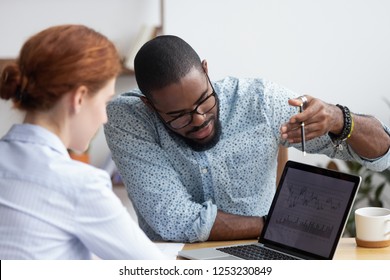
[[53, 207]]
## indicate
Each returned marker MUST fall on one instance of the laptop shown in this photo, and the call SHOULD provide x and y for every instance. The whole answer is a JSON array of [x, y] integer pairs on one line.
[[305, 221]]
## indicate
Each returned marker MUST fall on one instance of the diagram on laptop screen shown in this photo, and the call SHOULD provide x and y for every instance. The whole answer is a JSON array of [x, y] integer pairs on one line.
[[309, 211]]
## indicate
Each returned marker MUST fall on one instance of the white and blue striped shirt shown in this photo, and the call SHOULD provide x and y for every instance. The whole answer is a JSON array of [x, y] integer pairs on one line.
[[52, 207]]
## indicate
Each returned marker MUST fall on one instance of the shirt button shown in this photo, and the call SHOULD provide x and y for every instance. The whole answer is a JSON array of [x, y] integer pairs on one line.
[[204, 170]]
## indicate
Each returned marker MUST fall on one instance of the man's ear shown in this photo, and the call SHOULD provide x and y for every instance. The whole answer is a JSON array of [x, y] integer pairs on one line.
[[78, 98], [147, 102], [204, 65]]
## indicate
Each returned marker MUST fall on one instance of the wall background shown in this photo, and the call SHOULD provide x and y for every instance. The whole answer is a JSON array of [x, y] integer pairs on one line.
[[119, 20], [337, 50]]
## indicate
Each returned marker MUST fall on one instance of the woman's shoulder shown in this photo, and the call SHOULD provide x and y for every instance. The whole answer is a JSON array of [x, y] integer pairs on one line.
[[80, 171]]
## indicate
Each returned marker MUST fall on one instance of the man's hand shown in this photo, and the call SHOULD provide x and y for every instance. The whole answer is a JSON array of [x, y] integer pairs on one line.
[[318, 116], [368, 138]]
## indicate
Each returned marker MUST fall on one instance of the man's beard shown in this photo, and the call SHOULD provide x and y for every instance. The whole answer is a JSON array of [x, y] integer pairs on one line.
[[195, 145], [200, 147]]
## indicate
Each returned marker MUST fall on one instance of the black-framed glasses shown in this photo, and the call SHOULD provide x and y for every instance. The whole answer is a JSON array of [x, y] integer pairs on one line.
[[205, 106]]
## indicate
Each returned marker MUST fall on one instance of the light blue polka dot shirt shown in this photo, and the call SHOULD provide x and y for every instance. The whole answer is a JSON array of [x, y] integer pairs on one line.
[[175, 190]]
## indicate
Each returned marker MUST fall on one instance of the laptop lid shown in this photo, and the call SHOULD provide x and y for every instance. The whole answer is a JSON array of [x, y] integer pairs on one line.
[[307, 215], [309, 211]]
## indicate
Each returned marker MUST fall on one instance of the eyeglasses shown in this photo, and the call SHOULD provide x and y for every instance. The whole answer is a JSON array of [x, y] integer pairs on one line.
[[202, 108], [205, 106]]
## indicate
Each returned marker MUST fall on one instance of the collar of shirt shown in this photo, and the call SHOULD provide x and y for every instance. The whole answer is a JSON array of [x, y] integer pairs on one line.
[[36, 134]]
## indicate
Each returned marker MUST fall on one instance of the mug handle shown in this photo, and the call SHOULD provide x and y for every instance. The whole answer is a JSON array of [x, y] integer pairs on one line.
[[387, 221]]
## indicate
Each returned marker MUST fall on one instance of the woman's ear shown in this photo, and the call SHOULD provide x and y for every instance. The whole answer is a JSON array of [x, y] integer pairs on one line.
[[78, 98]]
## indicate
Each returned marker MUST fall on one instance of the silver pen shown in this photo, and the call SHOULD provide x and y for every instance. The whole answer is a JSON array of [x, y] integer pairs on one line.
[[302, 131]]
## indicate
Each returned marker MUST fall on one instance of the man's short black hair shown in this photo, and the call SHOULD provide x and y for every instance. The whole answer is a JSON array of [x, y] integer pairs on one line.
[[162, 61]]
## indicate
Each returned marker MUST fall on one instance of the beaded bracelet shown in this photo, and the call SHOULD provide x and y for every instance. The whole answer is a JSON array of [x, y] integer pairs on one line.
[[347, 127]]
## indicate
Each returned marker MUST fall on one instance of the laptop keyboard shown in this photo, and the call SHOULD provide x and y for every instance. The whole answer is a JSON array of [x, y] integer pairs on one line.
[[254, 252]]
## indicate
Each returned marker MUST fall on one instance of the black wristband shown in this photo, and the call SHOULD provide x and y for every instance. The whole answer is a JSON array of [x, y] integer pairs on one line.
[[347, 126]]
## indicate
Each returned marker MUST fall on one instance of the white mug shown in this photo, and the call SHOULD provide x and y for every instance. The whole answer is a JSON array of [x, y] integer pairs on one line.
[[372, 227]]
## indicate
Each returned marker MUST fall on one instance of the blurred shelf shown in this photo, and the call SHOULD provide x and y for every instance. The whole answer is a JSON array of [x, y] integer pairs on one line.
[[4, 61], [127, 72]]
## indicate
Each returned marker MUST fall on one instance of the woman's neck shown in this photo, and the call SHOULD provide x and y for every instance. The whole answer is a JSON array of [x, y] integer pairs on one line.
[[49, 120]]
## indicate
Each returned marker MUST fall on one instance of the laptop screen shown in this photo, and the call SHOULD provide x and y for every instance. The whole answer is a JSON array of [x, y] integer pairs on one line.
[[310, 209]]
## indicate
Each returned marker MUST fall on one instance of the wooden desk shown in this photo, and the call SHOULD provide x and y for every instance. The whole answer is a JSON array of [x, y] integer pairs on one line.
[[346, 250]]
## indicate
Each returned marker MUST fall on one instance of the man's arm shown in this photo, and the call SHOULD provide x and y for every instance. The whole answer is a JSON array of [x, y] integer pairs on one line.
[[166, 209], [232, 227], [368, 138]]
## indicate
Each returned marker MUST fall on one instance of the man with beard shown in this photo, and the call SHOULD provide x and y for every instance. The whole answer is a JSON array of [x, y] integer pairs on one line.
[[198, 158]]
